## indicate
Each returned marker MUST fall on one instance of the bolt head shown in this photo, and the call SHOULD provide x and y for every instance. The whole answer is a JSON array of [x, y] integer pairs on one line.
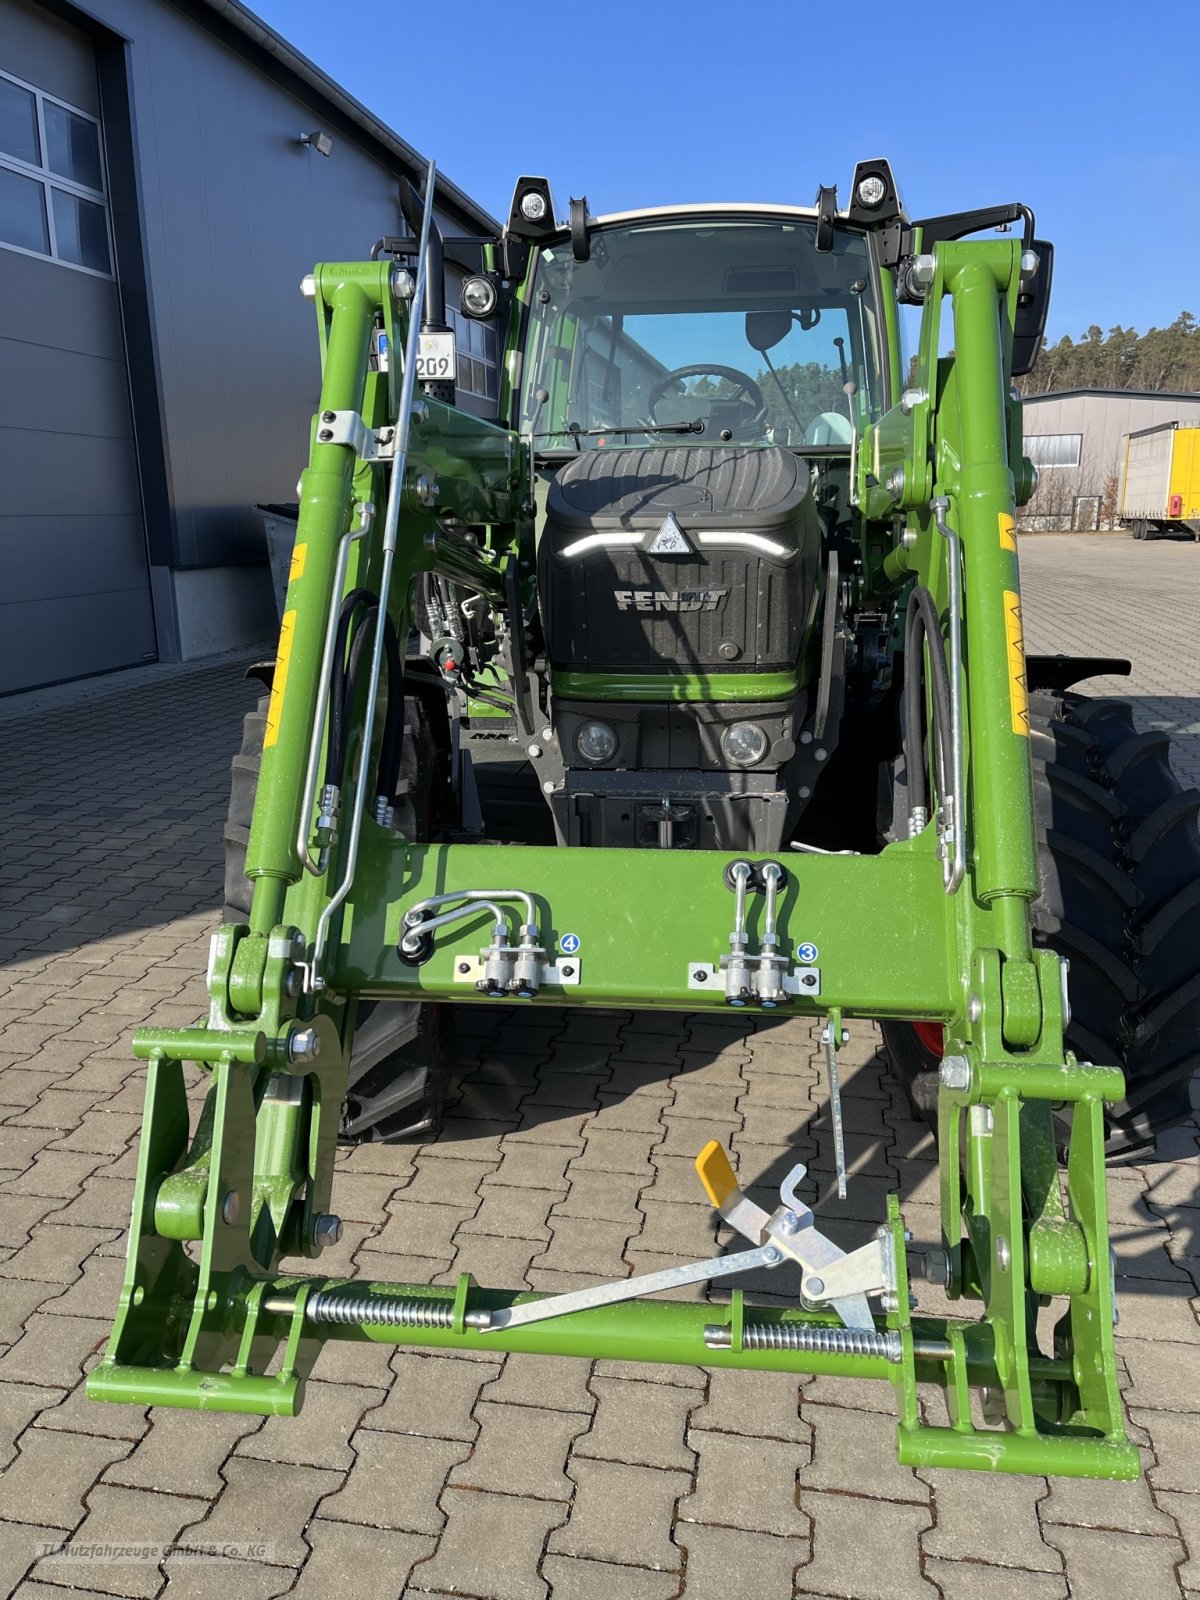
[[790, 1222], [955, 1073], [230, 1207], [974, 1008], [1003, 1253], [403, 286], [308, 286], [895, 484], [304, 1044], [771, 1256], [921, 271], [548, 786], [327, 1229], [815, 1287], [547, 734], [534, 751]]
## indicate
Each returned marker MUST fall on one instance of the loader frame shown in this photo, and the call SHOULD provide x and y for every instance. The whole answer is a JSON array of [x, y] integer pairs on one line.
[[207, 1320]]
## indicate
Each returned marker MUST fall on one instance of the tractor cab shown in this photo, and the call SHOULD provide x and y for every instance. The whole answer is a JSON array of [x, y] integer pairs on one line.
[[692, 385]]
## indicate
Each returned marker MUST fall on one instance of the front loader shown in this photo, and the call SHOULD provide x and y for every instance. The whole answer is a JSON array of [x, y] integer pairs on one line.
[[695, 681]]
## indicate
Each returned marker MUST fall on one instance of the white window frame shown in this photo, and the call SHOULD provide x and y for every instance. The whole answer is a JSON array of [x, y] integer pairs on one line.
[[51, 180], [1055, 466]]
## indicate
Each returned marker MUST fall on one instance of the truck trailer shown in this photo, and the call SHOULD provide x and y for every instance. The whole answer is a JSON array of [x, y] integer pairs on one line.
[[1160, 481]]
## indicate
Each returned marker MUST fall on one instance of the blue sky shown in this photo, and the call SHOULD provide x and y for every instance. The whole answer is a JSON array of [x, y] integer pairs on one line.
[[1086, 112]]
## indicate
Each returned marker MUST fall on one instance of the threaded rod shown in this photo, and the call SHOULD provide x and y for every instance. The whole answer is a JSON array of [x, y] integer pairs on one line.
[[804, 1336]]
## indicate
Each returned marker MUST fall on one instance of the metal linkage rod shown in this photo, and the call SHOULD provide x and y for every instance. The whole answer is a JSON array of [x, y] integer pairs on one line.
[[955, 866], [391, 524]]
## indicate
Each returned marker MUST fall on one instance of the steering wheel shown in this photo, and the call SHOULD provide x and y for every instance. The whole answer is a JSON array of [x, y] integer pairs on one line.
[[746, 386]]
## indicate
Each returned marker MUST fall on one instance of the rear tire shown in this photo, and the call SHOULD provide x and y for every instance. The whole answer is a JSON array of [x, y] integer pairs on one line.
[[393, 1094], [1119, 854]]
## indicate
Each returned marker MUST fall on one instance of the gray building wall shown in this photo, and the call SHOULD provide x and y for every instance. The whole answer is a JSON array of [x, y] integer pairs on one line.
[[217, 211], [1081, 494]]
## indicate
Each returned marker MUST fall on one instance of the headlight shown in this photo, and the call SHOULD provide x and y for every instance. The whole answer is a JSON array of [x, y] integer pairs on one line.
[[479, 297], [744, 744], [533, 206], [596, 742], [871, 190]]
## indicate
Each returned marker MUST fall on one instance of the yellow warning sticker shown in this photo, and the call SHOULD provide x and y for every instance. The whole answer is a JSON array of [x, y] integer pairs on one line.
[[1018, 687], [299, 553], [1008, 539], [287, 629]]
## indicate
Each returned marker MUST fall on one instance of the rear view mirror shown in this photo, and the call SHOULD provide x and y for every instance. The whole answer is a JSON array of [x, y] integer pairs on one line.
[[1033, 303], [765, 329]]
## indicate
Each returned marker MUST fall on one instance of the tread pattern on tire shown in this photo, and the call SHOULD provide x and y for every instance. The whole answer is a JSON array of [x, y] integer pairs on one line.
[[1119, 855], [433, 1051], [1135, 957]]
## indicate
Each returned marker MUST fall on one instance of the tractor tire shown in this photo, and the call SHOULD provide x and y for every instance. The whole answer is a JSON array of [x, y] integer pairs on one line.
[[403, 1054], [1119, 854]]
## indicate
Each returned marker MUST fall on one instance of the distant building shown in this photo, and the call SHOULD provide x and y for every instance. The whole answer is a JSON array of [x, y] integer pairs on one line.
[[158, 208], [1076, 440]]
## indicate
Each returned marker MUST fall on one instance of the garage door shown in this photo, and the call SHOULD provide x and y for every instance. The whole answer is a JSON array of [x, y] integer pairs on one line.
[[76, 592]]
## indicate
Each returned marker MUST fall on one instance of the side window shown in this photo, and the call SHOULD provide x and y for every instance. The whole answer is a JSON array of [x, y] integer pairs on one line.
[[52, 191], [478, 350]]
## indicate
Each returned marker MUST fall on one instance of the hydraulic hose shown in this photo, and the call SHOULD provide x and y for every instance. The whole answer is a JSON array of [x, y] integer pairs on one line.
[[354, 627], [335, 754], [921, 623]]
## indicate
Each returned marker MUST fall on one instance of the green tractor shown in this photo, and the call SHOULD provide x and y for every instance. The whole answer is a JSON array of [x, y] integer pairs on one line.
[[696, 681]]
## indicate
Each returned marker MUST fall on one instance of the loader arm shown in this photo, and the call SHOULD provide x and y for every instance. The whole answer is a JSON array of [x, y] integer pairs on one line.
[[345, 907]]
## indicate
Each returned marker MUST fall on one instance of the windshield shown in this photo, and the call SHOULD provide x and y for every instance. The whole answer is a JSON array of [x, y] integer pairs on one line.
[[725, 330]]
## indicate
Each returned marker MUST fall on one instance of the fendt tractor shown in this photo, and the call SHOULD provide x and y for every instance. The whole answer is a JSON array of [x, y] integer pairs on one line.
[[695, 681]]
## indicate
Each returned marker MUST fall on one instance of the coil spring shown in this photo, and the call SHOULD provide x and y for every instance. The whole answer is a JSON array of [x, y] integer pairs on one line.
[[817, 1341], [389, 1311]]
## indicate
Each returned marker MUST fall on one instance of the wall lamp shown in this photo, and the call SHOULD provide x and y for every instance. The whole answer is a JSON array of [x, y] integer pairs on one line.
[[318, 141]]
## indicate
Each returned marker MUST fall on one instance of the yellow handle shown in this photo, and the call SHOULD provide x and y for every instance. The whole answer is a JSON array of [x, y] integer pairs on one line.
[[716, 1174]]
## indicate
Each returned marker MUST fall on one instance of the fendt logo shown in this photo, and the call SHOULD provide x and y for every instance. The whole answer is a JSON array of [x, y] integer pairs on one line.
[[664, 600]]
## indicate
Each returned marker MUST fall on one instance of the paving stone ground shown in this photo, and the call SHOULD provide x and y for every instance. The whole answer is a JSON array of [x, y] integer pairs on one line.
[[565, 1155]]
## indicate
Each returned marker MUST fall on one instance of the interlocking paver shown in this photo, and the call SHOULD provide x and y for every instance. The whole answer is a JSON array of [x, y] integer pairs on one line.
[[52, 1349], [520, 1451], [574, 1578], [433, 1396], [395, 1482], [491, 1546], [866, 1549], [117, 1517], [1098, 1503], [183, 1451], [621, 1514], [20, 1403], [1100, 1562], [266, 1503], [770, 1400], [320, 1435], [218, 1578], [544, 1381], [640, 1423], [999, 1527], [855, 1451], [973, 1580], [746, 1483], [375, 1562], [48, 1483], [1174, 1443], [725, 1561]]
